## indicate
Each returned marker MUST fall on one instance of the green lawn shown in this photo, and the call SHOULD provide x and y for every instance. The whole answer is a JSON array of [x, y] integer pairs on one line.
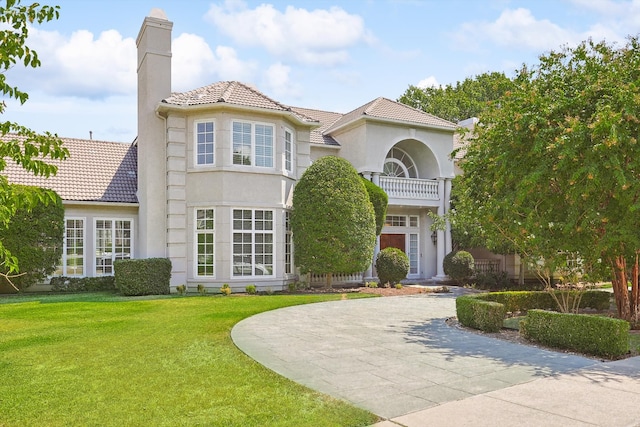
[[105, 360]]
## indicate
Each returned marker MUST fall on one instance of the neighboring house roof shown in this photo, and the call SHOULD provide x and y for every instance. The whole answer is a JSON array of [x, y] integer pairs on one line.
[[460, 143], [326, 119], [96, 171], [383, 108], [234, 93]]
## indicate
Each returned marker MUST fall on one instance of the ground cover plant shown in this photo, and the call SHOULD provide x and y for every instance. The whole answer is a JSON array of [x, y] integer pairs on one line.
[[102, 359]]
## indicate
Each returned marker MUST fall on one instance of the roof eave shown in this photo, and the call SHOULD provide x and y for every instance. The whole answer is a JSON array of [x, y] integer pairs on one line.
[[97, 203], [387, 120], [164, 107]]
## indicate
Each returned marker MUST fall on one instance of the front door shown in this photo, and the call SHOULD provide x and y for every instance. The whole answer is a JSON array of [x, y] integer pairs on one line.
[[393, 241]]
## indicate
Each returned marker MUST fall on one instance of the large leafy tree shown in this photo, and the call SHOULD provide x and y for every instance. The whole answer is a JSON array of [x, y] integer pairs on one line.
[[554, 167], [35, 236], [460, 101], [333, 222], [20, 144]]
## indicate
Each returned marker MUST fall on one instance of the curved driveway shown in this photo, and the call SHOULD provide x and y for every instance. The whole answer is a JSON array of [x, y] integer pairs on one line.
[[396, 356]]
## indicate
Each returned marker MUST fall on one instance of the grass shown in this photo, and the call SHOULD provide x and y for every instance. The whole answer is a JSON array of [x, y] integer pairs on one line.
[[100, 359]]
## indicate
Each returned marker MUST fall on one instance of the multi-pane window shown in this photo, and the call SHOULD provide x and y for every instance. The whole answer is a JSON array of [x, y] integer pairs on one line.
[[396, 221], [252, 242], [205, 242], [113, 242], [205, 142], [252, 144], [413, 221], [413, 254], [72, 262], [288, 244], [288, 150]]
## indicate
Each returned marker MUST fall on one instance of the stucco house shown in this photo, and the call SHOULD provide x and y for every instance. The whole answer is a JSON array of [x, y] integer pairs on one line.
[[208, 182]]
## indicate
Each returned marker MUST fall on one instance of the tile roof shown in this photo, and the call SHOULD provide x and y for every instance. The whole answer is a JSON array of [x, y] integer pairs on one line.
[[383, 108], [326, 119], [96, 171], [231, 92]]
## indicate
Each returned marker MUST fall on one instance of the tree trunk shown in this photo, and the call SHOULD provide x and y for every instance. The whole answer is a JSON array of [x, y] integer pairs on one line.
[[329, 278], [620, 288], [634, 290]]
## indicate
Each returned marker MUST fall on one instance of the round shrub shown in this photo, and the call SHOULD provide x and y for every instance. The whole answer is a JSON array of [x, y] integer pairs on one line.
[[392, 265], [458, 266]]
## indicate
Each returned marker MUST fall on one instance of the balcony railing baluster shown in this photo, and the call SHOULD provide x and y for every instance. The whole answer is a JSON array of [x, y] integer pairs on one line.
[[410, 188]]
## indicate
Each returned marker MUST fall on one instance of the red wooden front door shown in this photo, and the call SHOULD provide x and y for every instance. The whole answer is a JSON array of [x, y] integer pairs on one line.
[[393, 241]]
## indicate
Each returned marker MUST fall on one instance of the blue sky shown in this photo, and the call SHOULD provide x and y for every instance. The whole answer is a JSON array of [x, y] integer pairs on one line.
[[329, 55]]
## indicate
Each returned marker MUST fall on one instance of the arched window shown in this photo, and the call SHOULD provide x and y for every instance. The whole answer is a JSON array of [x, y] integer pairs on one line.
[[399, 164]]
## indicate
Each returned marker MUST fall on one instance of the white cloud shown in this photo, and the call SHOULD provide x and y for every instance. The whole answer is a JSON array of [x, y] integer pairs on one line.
[[277, 81], [516, 29], [318, 37], [81, 65], [194, 64], [520, 29], [428, 82]]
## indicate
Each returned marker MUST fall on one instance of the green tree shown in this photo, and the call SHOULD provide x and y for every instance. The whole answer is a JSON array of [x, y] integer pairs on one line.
[[35, 236], [20, 144], [554, 168], [380, 201], [461, 101], [333, 223]]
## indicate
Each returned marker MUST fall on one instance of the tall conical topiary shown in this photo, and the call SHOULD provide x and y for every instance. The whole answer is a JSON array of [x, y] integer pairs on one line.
[[333, 222]]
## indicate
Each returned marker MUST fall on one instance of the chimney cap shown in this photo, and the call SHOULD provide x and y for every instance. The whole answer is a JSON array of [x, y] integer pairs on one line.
[[158, 13]]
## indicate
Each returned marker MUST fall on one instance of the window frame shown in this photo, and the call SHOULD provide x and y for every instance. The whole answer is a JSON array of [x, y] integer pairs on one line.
[[253, 231], [196, 233], [196, 144], [253, 156], [113, 243], [62, 269], [288, 153]]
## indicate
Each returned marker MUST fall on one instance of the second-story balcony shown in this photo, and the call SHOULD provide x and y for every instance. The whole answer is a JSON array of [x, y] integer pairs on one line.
[[410, 188]]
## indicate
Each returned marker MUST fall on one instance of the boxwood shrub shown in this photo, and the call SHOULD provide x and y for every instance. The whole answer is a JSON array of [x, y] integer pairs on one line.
[[392, 266], [595, 335], [526, 300], [82, 284], [479, 314], [149, 276]]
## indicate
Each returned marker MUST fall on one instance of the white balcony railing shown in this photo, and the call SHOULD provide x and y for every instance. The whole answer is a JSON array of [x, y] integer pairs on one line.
[[410, 188]]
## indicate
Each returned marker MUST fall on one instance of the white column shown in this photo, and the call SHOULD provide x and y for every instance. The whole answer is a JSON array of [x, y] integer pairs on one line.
[[375, 178], [440, 248]]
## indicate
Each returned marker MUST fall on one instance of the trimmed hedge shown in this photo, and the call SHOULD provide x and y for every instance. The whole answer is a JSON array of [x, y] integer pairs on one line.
[[476, 313], [599, 336], [149, 276], [82, 284], [526, 300]]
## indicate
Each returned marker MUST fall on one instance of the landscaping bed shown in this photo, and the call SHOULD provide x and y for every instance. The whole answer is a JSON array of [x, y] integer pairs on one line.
[[592, 331]]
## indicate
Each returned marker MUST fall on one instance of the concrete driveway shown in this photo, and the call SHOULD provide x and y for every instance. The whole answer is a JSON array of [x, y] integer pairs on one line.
[[396, 357]]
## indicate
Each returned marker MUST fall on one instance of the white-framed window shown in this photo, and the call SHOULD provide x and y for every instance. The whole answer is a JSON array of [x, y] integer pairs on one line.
[[72, 262], [399, 163], [204, 142], [288, 244], [288, 150], [413, 253], [413, 221], [205, 242], [252, 144], [253, 245], [113, 241], [396, 221]]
